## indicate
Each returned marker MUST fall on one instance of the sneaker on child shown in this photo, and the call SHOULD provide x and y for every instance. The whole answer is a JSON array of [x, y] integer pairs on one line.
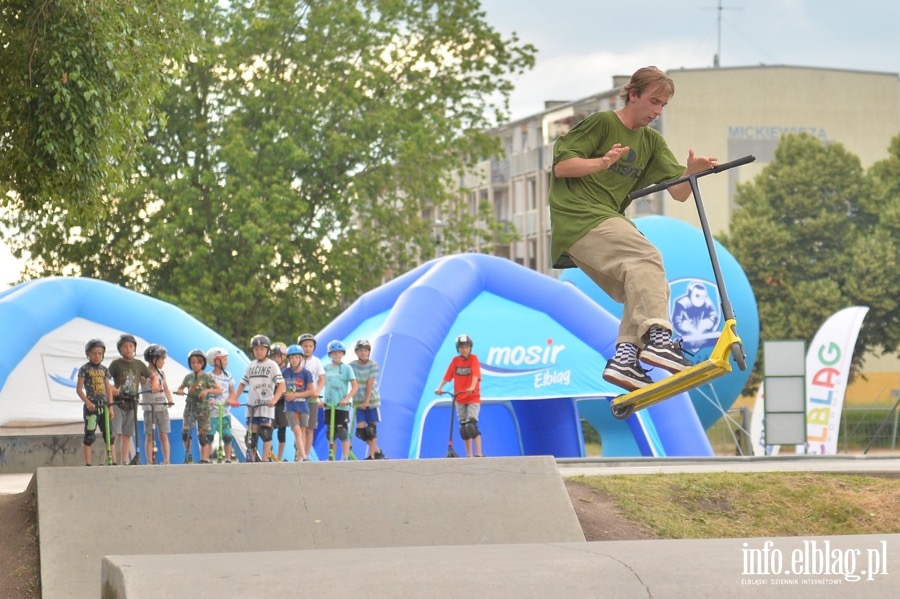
[[626, 374], [668, 355]]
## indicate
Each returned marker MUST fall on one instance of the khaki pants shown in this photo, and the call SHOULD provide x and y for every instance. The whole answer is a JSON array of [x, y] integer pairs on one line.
[[624, 264]]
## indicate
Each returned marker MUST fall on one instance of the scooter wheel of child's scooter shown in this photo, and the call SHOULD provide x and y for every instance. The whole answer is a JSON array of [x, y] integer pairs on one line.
[[621, 412], [740, 358]]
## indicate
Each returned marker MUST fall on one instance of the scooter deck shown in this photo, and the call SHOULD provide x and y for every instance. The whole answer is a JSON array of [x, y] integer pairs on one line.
[[717, 365]]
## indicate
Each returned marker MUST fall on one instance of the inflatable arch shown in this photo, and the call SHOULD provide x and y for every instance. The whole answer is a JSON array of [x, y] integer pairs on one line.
[[542, 345], [46, 323]]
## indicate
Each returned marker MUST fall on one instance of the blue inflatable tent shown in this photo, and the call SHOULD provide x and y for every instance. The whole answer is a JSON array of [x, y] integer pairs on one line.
[[46, 323], [542, 344]]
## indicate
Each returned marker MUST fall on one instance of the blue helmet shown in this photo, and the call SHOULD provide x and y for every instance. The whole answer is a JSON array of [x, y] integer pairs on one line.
[[336, 346], [294, 350]]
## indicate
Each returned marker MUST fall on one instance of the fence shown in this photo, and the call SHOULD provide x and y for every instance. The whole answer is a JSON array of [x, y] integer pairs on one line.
[[874, 429]]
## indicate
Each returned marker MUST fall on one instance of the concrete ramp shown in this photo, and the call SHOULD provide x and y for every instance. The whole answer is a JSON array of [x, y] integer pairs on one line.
[[688, 569], [85, 514], [25, 449]]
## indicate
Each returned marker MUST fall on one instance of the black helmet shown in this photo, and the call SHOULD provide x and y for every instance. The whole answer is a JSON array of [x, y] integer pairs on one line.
[[307, 337], [260, 341], [463, 340], [122, 339], [199, 353], [92, 344], [154, 351]]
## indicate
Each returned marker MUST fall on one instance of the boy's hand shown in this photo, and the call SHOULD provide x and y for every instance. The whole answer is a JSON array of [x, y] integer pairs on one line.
[[233, 403], [438, 391], [90, 406]]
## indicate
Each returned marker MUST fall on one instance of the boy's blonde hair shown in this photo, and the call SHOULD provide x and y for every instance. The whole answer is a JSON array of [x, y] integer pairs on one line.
[[647, 79]]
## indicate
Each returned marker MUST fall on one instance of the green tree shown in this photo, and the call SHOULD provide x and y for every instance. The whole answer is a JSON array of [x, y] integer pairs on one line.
[[303, 143], [877, 254], [812, 239], [78, 81]]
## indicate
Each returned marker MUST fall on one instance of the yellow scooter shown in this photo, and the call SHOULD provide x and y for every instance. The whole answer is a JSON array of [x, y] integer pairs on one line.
[[729, 344]]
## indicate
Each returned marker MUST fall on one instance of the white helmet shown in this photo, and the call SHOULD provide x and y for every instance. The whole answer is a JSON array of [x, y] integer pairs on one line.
[[216, 352]]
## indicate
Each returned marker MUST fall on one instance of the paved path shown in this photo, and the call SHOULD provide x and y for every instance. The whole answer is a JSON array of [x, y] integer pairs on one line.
[[881, 465]]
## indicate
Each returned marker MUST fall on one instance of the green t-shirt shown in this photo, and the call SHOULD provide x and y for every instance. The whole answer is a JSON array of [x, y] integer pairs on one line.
[[578, 204]]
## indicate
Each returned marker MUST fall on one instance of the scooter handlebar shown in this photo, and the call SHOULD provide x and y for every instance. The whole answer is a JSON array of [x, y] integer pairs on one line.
[[667, 184]]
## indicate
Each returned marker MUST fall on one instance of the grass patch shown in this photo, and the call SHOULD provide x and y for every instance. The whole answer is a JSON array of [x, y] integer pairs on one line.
[[727, 505]]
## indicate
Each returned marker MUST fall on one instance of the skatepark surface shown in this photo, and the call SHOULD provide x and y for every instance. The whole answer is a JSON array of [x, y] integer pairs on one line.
[[497, 527]]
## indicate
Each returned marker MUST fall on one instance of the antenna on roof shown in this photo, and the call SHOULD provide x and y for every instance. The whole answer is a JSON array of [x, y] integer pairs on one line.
[[719, 9]]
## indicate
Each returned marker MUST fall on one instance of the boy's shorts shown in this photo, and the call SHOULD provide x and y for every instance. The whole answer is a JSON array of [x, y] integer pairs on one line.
[[313, 404], [281, 420], [94, 422], [368, 415], [300, 419], [297, 412], [123, 422], [200, 412], [468, 411], [226, 426], [260, 421], [340, 417], [157, 416]]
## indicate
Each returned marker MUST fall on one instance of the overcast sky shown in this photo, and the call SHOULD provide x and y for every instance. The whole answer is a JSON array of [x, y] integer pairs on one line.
[[583, 43]]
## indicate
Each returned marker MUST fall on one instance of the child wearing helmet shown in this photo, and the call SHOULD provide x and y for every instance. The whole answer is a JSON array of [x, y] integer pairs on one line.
[[279, 356], [340, 387], [94, 390], [199, 386], [367, 401], [465, 372], [299, 387], [307, 342], [265, 384], [127, 373], [217, 357], [157, 400]]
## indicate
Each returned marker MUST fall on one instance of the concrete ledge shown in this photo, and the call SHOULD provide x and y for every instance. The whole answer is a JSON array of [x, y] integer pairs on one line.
[[689, 569], [85, 514], [24, 450]]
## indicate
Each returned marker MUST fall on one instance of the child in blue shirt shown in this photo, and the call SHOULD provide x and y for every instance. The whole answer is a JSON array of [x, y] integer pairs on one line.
[[299, 386], [340, 387]]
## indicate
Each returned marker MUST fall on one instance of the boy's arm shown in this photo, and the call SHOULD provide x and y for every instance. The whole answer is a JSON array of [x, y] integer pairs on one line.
[[232, 401], [476, 375], [155, 387], [109, 394], [320, 387], [79, 390], [279, 391], [370, 384], [214, 390], [354, 387]]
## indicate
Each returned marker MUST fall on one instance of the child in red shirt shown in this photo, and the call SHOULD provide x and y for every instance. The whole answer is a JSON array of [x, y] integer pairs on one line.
[[465, 372]]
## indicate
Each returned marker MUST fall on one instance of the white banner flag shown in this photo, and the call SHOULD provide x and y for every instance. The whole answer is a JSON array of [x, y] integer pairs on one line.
[[827, 370]]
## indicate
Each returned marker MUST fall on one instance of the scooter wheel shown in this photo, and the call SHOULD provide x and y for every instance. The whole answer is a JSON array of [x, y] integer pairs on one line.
[[621, 412]]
